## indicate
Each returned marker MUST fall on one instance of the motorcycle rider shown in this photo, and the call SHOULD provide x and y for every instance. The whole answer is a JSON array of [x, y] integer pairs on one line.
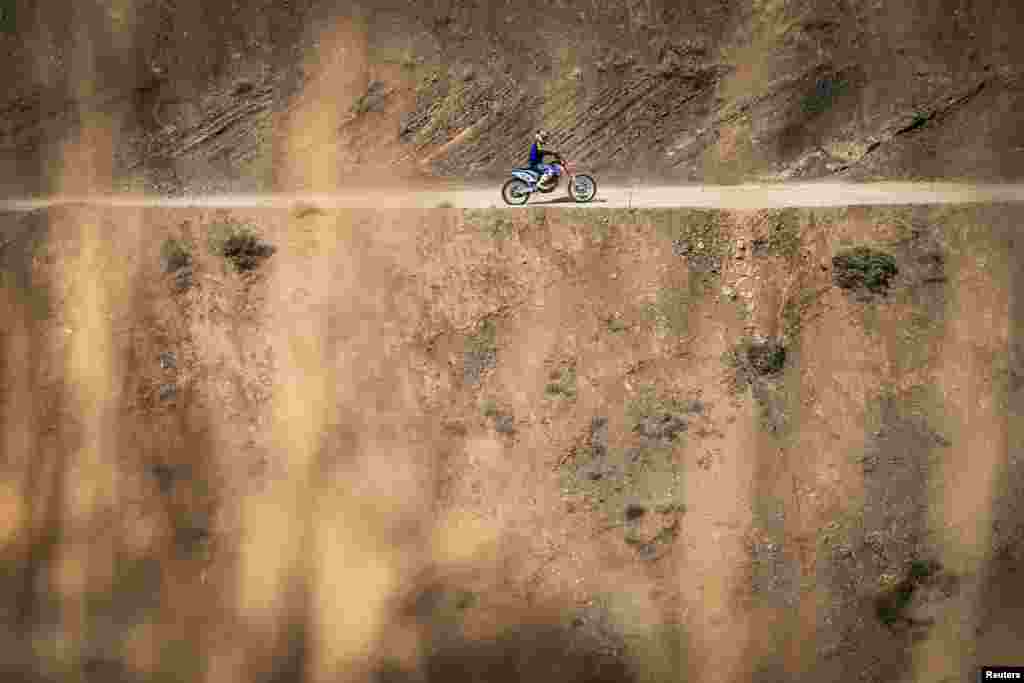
[[537, 154]]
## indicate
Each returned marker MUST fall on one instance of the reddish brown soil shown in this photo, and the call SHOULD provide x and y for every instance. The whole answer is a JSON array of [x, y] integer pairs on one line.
[[336, 469]]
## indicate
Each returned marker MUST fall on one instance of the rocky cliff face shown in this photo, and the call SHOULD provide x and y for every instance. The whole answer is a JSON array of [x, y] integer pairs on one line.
[[206, 97]]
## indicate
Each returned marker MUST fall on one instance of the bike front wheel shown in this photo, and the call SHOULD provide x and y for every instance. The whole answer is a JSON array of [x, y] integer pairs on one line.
[[515, 192]]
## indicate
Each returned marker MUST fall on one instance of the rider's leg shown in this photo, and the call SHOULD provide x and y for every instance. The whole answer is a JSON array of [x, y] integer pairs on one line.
[[549, 171]]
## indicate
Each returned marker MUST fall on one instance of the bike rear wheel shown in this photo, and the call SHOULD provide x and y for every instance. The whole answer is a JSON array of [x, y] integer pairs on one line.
[[515, 192], [582, 188]]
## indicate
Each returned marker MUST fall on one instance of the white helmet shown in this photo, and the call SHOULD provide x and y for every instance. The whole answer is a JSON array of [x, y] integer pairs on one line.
[[541, 136]]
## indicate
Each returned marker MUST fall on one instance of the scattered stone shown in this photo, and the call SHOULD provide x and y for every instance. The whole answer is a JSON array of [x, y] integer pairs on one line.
[[481, 352], [599, 469], [680, 247], [455, 427], [760, 246], [406, 124], [168, 391], [647, 551], [662, 427], [696, 406], [475, 363], [599, 436], [698, 261], [373, 100], [504, 424], [869, 462], [190, 537], [104, 666], [183, 279], [167, 475], [167, 360]]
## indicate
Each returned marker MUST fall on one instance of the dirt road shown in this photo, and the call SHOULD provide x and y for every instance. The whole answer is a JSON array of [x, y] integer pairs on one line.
[[710, 196]]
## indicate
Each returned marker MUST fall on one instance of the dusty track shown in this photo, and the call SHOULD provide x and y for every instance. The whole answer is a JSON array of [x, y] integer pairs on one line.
[[709, 196]]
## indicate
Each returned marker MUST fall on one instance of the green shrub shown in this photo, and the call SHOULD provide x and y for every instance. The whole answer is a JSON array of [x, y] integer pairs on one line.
[[766, 358], [794, 312], [783, 236], [616, 325], [7, 16], [673, 309], [481, 352], [484, 339], [563, 383], [750, 360], [408, 60], [649, 405], [174, 255], [826, 91], [890, 605], [494, 223], [864, 268], [239, 245], [489, 408], [372, 100], [920, 569], [669, 508], [465, 600]]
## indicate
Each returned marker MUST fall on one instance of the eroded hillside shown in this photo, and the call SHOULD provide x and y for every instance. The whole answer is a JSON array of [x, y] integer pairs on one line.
[[464, 445], [198, 96]]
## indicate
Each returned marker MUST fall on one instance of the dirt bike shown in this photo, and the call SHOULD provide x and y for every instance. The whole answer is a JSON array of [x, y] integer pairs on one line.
[[525, 181]]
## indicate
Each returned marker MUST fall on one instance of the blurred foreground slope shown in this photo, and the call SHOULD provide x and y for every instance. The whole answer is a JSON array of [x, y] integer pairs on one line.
[[444, 445]]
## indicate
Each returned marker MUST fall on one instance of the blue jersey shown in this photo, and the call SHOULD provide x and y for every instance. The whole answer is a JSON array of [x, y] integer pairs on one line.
[[537, 154]]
